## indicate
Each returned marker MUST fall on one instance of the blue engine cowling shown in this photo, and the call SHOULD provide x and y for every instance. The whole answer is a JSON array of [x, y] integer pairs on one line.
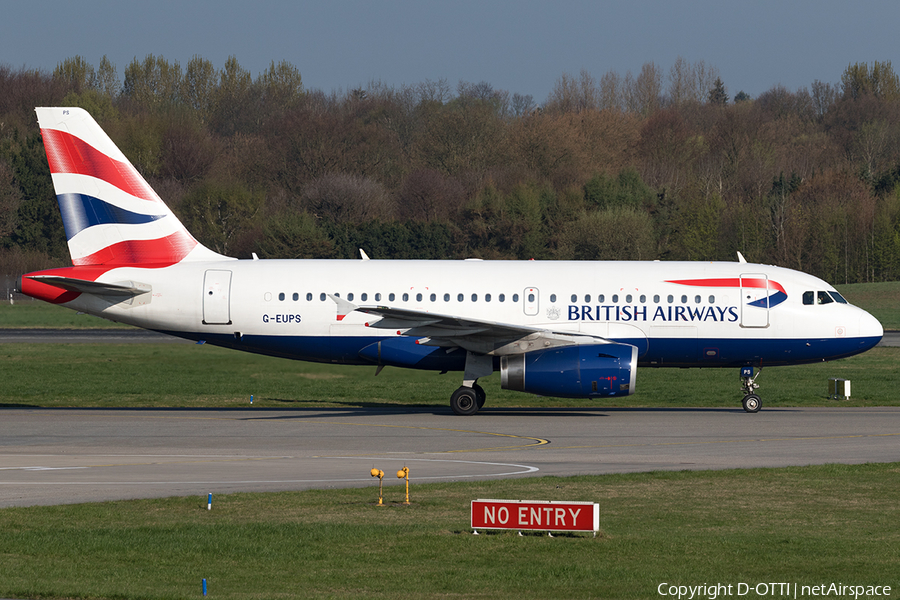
[[596, 370]]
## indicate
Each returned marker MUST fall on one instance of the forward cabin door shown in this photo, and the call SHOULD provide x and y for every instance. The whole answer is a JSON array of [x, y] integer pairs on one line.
[[754, 300], [217, 297]]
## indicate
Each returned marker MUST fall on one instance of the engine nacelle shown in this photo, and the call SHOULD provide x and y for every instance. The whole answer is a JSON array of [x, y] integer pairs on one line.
[[584, 371]]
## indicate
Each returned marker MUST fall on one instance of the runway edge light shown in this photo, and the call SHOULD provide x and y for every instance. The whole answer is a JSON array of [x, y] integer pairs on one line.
[[380, 475], [404, 474]]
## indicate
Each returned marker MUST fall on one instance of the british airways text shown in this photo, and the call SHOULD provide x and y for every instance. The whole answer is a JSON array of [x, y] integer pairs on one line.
[[728, 314]]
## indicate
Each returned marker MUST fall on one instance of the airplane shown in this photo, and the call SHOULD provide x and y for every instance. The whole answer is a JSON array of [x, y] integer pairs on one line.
[[573, 329]]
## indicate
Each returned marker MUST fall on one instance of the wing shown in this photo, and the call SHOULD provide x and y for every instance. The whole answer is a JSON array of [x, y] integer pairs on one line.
[[474, 335]]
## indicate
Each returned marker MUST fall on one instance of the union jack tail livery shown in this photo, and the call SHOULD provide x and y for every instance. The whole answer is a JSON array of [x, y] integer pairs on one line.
[[111, 215]]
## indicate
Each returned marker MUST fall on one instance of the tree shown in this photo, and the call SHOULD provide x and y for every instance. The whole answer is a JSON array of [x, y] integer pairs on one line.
[[824, 96], [294, 234], [106, 78], [281, 84], [689, 83], [346, 198], [428, 195], [155, 82], [217, 213], [10, 199], [232, 99], [646, 91], [571, 94], [620, 233], [625, 190], [879, 80], [75, 72], [198, 87], [717, 94]]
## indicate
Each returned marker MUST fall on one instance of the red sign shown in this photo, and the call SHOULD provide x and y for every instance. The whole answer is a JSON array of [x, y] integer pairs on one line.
[[535, 515]]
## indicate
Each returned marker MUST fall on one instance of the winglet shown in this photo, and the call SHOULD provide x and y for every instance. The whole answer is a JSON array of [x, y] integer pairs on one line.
[[363, 255], [741, 258], [344, 307]]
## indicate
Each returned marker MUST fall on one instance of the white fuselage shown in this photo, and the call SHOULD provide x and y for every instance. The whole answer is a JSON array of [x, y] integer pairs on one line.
[[677, 314]]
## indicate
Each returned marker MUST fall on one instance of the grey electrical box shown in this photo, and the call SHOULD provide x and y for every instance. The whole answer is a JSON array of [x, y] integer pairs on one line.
[[839, 389]]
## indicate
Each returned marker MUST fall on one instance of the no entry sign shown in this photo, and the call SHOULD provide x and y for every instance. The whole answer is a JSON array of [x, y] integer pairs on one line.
[[535, 515]]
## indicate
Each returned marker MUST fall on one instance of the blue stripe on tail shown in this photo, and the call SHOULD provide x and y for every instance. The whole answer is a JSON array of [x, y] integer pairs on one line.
[[80, 211]]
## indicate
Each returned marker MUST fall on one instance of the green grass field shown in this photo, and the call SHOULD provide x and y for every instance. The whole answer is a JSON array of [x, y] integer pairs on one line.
[[808, 526], [204, 376]]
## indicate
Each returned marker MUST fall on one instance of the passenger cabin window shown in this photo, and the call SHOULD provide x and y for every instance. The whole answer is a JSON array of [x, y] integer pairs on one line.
[[391, 297], [515, 298], [552, 297]]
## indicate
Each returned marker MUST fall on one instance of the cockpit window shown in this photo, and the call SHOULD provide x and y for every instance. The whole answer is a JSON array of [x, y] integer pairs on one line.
[[838, 298], [809, 298], [823, 298]]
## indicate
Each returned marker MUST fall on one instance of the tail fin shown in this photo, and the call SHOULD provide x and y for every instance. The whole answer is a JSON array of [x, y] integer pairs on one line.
[[111, 214]]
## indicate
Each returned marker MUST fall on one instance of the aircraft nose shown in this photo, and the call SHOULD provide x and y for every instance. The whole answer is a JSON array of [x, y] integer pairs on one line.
[[870, 327]]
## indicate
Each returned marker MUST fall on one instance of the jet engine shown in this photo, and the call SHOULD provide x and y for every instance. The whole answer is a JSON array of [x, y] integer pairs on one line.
[[581, 371]]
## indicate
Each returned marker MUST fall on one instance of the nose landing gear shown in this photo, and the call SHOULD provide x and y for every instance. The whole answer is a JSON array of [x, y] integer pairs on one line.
[[751, 402]]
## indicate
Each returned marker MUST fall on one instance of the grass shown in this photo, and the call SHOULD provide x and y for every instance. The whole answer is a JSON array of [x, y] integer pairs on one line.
[[33, 314], [808, 525], [190, 375]]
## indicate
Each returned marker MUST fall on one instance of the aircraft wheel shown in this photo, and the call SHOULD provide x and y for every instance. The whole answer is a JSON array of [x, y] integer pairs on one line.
[[480, 395], [751, 403], [464, 401]]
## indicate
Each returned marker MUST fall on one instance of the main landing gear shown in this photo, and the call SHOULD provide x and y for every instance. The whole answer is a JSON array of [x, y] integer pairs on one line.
[[468, 399], [751, 401]]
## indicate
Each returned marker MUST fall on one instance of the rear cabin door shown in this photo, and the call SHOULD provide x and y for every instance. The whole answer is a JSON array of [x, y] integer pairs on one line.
[[217, 297], [754, 300]]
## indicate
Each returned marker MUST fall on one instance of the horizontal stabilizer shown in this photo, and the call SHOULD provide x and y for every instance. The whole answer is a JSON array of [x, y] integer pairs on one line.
[[124, 289]]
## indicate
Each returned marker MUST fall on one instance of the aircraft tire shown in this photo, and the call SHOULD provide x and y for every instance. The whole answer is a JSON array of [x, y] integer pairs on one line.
[[751, 403], [480, 395], [464, 401]]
